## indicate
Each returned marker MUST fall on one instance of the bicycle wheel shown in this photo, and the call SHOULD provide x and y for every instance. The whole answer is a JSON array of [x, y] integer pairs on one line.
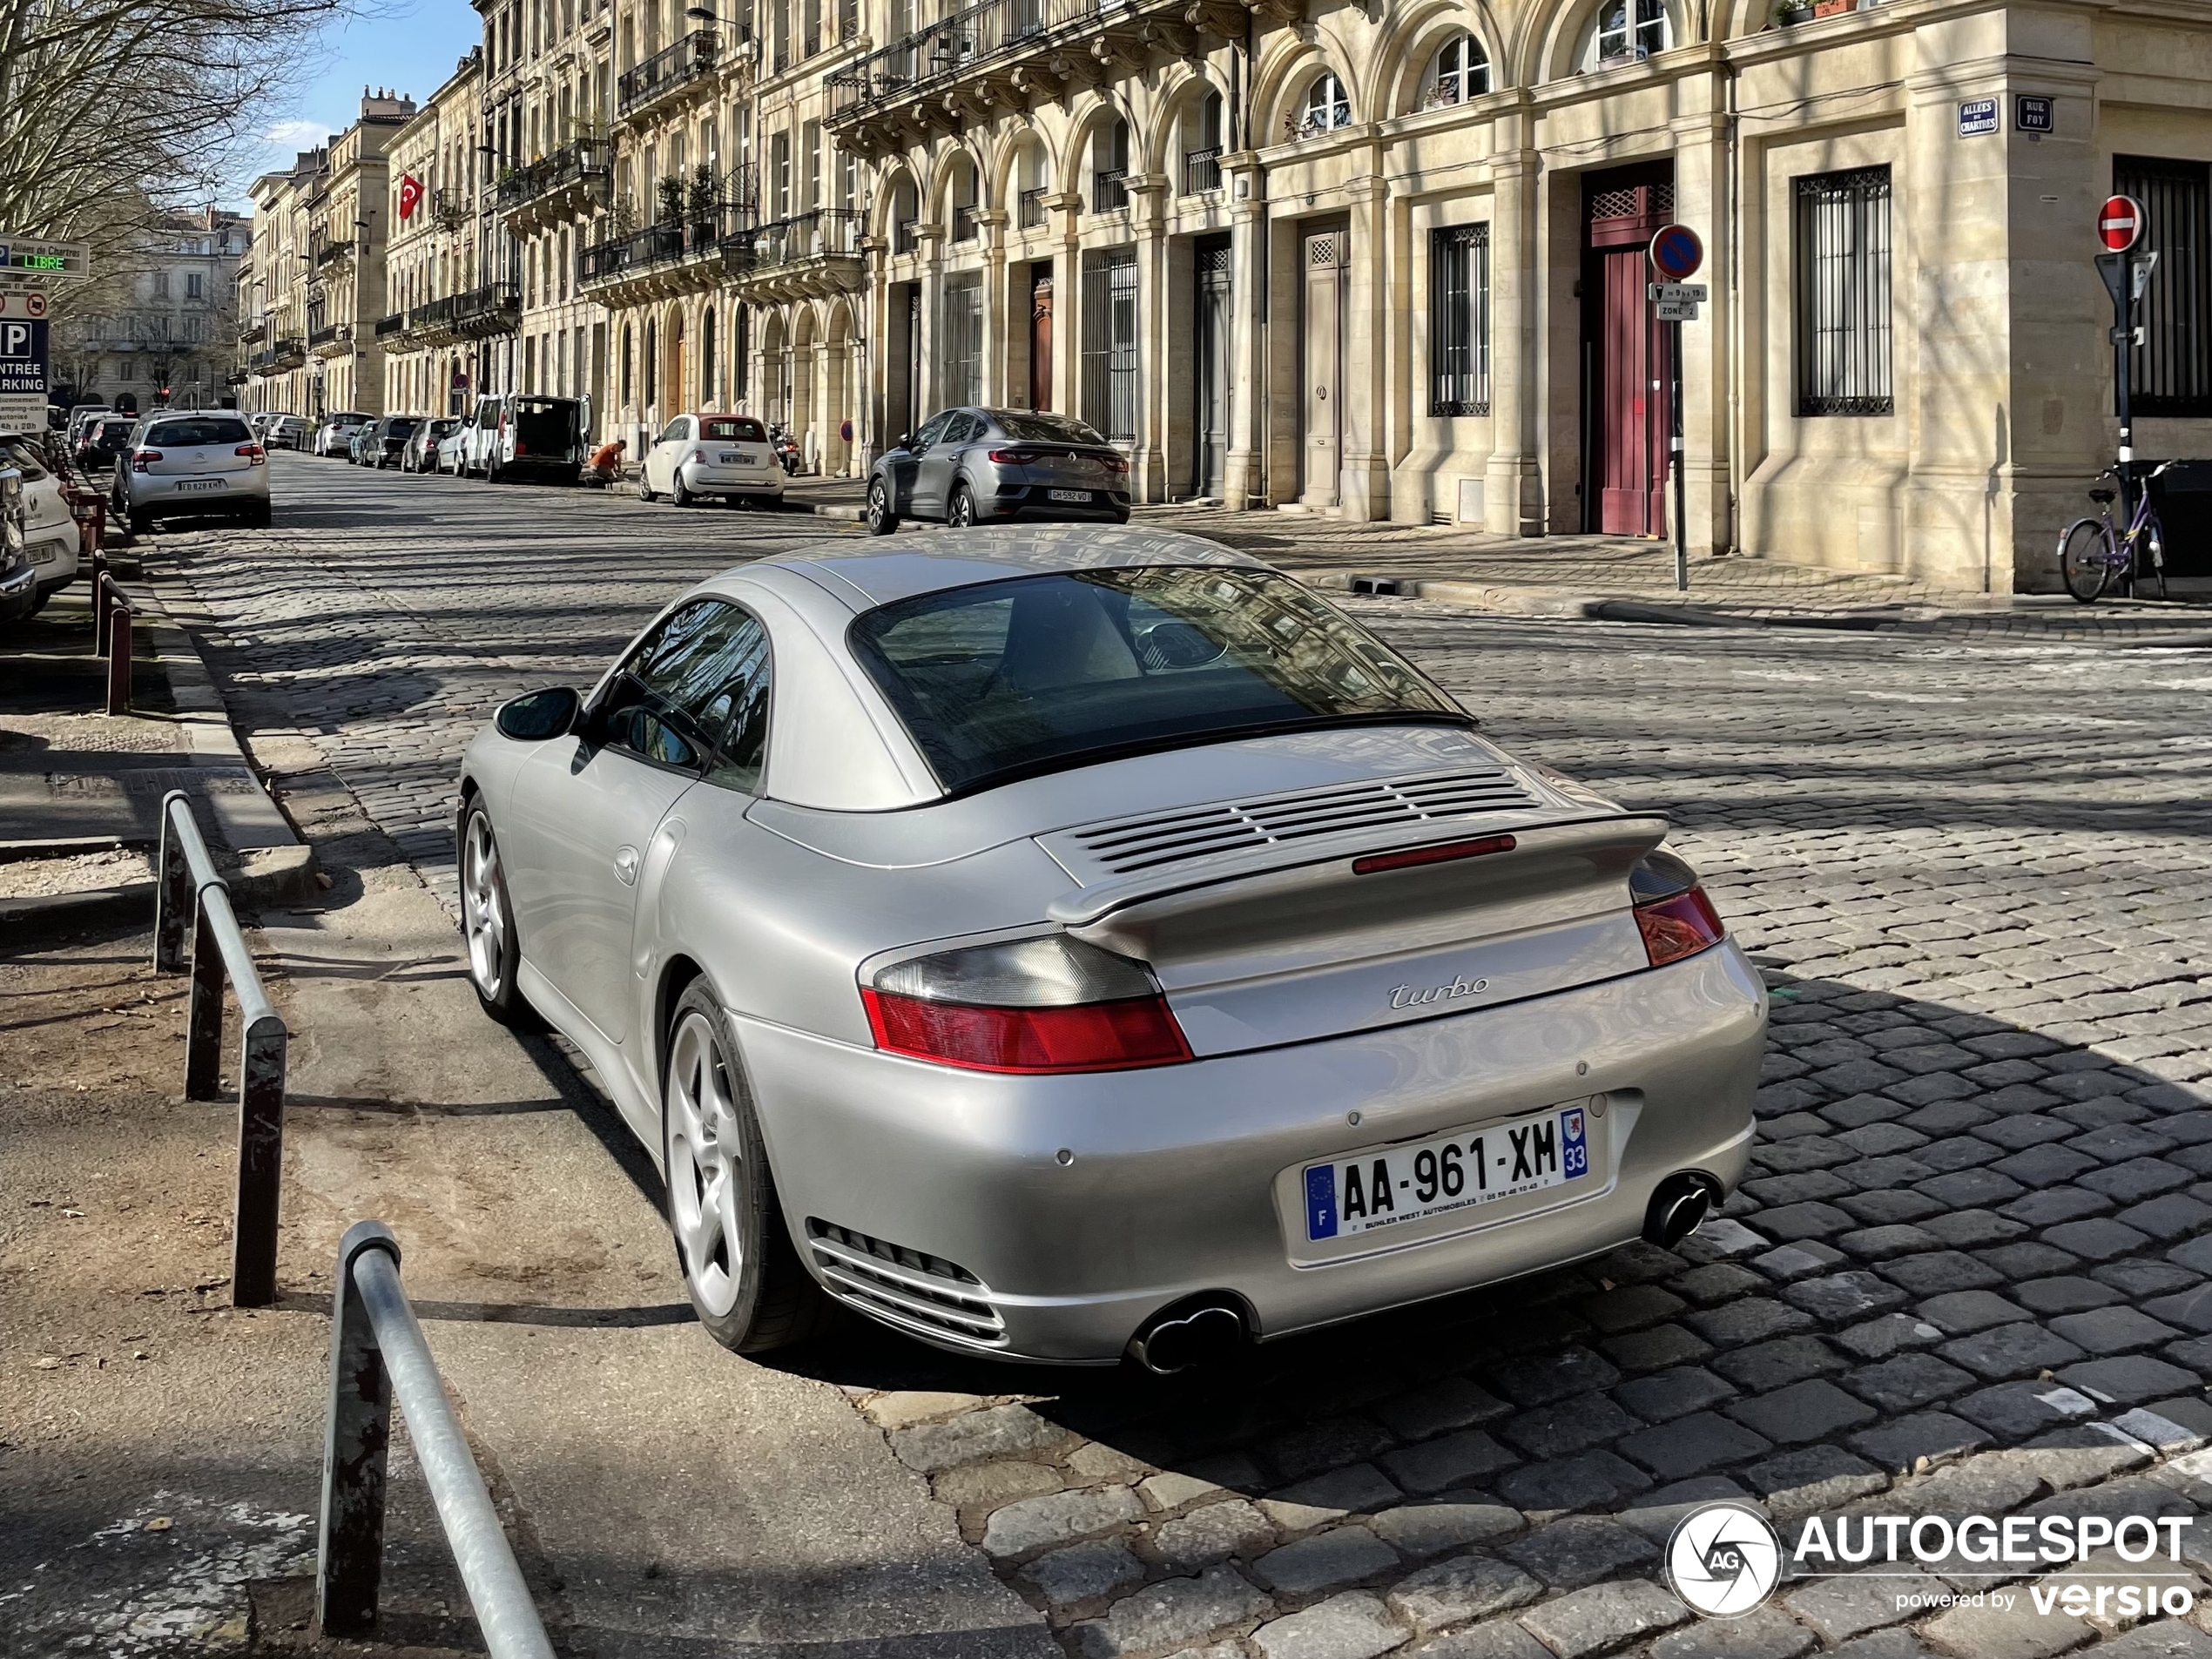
[[2155, 546], [2085, 558]]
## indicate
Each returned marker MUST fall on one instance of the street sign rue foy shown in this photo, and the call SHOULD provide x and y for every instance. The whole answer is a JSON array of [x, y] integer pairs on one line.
[[1677, 253]]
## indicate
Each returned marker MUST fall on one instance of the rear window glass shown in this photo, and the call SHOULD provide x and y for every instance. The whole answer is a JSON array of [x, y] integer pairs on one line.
[[399, 429], [23, 458], [1044, 428], [112, 430], [1042, 672], [733, 430], [184, 434]]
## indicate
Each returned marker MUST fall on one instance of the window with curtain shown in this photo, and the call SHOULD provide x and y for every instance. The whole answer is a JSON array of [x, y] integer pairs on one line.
[[1843, 294], [2171, 372], [1628, 30], [1459, 319], [1325, 108], [1462, 71]]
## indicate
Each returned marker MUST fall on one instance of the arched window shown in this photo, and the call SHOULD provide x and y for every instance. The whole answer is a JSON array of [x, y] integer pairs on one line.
[[710, 371], [1110, 166], [1463, 72], [652, 354], [1202, 145], [1325, 107], [960, 201], [906, 214], [1629, 30]]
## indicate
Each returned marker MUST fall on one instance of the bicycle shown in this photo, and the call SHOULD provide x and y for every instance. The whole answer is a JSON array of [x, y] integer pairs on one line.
[[2091, 554]]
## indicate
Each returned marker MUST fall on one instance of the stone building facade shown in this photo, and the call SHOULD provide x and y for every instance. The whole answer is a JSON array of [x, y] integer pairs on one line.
[[1389, 262], [438, 314], [170, 339]]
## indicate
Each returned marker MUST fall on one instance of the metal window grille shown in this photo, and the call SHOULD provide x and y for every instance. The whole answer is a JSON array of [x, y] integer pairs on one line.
[[1459, 321], [1843, 301], [1109, 345], [964, 340], [1033, 208], [2171, 372], [1110, 189], [1201, 171]]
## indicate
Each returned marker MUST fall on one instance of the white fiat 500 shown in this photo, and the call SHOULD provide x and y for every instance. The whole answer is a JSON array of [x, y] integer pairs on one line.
[[705, 455], [1068, 942]]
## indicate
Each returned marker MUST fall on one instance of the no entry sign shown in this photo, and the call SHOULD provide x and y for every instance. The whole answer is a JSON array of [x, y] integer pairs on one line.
[[1677, 253], [2120, 223]]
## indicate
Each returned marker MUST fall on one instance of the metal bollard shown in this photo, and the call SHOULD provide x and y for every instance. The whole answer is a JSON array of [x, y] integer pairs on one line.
[[350, 1553], [99, 605], [118, 653]]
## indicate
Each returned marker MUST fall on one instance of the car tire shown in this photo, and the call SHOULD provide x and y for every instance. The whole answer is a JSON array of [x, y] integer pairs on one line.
[[141, 524], [262, 517], [959, 512], [677, 495], [881, 520], [488, 924], [744, 1279]]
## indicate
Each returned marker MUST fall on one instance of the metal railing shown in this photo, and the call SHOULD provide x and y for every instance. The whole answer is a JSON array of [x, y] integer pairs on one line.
[[378, 1351], [955, 44], [821, 232], [966, 225], [1201, 171], [391, 325], [493, 299], [1109, 189], [111, 618], [330, 251], [323, 336], [906, 237], [670, 67], [570, 163], [430, 312], [1030, 206], [188, 884], [284, 351]]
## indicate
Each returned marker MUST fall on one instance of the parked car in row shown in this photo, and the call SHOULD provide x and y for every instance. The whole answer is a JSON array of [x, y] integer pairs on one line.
[[708, 455], [969, 466], [383, 441], [421, 452], [106, 437], [528, 435], [196, 464], [51, 538], [335, 436], [79, 416]]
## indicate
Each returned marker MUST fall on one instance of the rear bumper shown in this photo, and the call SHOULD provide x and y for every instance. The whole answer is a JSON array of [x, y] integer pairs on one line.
[[1178, 1176], [1034, 501], [18, 593], [714, 481]]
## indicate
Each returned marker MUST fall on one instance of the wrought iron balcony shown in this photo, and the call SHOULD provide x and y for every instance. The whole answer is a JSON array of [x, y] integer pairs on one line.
[[966, 226], [332, 250], [670, 258], [254, 333], [387, 327], [285, 353], [1109, 189], [1201, 171], [907, 237], [493, 309], [557, 176], [1030, 208], [689, 61], [605, 261], [322, 336], [804, 255]]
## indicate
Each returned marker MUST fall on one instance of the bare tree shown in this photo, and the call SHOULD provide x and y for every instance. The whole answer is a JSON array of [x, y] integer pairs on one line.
[[114, 112]]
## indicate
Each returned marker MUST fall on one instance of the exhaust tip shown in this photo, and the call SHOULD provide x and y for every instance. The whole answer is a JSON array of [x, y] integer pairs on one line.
[[1679, 1206], [1199, 1332]]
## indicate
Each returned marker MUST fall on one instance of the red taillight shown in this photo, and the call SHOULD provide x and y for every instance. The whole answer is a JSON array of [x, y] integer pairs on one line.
[[1044, 1003], [1089, 1036], [1376, 862], [1114, 464], [520, 448], [253, 452], [699, 457], [139, 458], [1014, 457], [1678, 927]]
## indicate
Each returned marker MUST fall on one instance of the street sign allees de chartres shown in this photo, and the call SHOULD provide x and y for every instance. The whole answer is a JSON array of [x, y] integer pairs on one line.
[[2120, 223], [37, 257]]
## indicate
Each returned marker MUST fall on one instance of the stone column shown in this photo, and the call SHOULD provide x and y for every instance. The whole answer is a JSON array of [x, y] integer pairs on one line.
[[1512, 487], [1362, 475], [993, 221], [930, 396], [1148, 461], [1701, 202], [1243, 484], [1067, 303]]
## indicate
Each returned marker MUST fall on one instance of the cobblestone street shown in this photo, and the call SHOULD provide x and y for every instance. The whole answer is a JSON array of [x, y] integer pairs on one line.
[[1970, 1271]]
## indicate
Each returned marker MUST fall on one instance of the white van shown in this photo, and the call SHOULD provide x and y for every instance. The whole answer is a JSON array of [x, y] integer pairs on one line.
[[527, 435]]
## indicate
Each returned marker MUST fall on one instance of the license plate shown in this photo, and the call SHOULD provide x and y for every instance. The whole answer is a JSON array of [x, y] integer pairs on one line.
[[1460, 1170], [199, 484], [1069, 494]]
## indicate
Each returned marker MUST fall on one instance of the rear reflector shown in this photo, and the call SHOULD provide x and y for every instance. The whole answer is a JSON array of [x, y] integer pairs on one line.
[[1679, 927], [1376, 862], [1087, 1036]]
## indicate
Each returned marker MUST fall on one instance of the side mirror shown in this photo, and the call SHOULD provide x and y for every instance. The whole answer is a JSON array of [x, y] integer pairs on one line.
[[535, 716], [905, 441]]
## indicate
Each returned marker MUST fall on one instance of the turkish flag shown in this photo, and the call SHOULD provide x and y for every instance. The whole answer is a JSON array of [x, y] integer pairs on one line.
[[410, 194]]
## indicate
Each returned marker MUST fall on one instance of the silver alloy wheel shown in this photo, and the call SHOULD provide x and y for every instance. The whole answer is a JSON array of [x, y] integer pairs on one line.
[[705, 1165], [483, 909]]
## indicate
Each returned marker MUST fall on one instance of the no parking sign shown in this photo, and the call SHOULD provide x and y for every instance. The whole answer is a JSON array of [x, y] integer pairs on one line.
[[1677, 253]]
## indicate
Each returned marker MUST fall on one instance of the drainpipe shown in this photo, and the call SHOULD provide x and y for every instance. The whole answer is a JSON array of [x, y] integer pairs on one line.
[[1735, 363]]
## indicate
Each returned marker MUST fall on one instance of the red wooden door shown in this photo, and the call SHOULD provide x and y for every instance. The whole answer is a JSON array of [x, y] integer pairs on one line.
[[1041, 341], [1632, 414]]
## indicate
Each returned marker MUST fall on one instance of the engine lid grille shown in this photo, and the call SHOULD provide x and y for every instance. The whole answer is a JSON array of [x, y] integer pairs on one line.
[[1123, 846]]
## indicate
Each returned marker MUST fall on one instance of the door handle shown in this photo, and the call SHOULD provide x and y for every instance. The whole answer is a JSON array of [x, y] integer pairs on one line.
[[626, 866]]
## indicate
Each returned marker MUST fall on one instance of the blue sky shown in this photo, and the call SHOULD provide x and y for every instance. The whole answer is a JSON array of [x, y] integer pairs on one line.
[[409, 45]]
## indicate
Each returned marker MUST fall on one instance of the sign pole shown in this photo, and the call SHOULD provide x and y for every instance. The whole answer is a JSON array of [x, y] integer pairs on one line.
[[1675, 459], [2119, 227]]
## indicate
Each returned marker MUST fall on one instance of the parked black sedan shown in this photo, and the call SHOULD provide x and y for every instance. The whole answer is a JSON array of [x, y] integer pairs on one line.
[[972, 466]]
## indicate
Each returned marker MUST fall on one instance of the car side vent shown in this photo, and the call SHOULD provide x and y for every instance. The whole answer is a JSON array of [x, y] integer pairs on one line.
[[908, 1288], [1131, 845]]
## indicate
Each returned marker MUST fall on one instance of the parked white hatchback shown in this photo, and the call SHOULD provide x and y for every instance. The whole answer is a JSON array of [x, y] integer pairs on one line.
[[193, 466], [49, 533], [727, 455]]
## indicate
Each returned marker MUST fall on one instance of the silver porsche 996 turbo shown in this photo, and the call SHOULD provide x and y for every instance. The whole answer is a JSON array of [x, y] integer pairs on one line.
[[1073, 942]]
